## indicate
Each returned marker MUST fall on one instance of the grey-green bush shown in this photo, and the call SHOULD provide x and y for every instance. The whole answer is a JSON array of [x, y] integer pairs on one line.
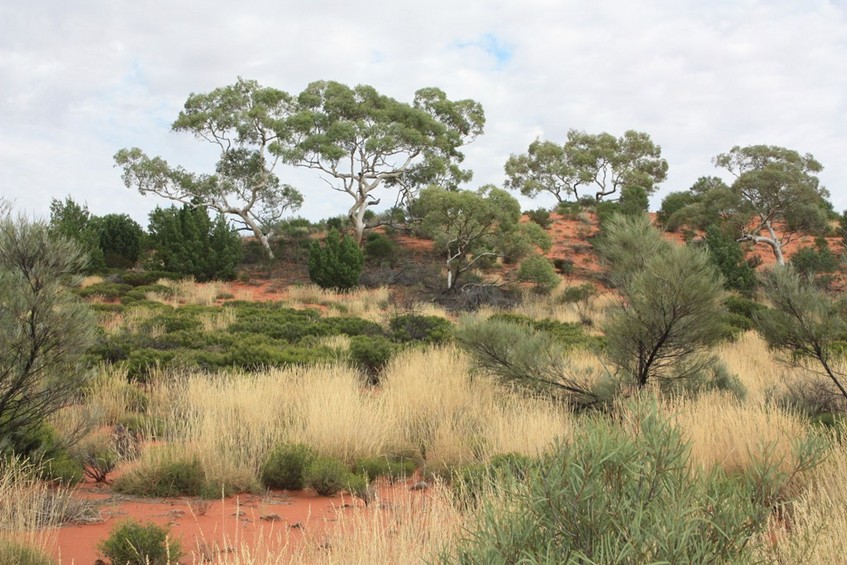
[[132, 543], [286, 465]]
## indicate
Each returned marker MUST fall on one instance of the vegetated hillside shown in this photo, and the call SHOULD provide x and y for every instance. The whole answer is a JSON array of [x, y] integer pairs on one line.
[[413, 270]]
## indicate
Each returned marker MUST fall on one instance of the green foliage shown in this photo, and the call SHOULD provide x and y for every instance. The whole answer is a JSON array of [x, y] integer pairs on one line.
[[241, 121], [44, 329], [415, 327], [371, 354], [539, 271], [817, 262], [286, 465], [381, 249], [472, 483], [524, 240], [327, 476], [337, 263], [394, 468], [363, 140], [170, 476], [74, 222], [16, 553], [672, 302], [186, 241], [133, 543], [587, 161], [121, 240], [97, 455], [540, 217], [470, 226], [519, 352], [804, 322], [729, 259], [613, 496], [580, 293]]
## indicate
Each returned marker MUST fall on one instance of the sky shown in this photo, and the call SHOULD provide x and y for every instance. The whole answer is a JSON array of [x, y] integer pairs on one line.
[[80, 80]]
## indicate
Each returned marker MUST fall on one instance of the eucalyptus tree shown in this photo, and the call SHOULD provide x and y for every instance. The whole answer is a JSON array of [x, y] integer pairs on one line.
[[469, 226], [774, 185], [360, 141], [600, 162], [246, 122]]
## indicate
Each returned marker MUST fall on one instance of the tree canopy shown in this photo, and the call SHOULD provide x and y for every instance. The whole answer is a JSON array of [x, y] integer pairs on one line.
[[471, 225], [247, 123], [361, 140], [601, 162]]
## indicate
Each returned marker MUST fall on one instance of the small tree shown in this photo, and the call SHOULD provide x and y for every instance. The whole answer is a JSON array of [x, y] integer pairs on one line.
[[804, 321], [337, 263], [469, 226], [72, 221], [671, 303], [44, 329], [538, 270], [729, 259], [121, 240], [186, 241]]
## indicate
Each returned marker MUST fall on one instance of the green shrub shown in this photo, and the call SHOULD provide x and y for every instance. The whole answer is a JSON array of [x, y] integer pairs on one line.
[[16, 553], [380, 249], [391, 467], [97, 455], [575, 294], [540, 217], [169, 477], [564, 266], [106, 289], [415, 327], [470, 483], [371, 354], [337, 263], [132, 543], [618, 496], [286, 465], [327, 475], [538, 270]]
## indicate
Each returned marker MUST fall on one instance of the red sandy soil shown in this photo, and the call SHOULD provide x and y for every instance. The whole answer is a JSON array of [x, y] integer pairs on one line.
[[277, 521]]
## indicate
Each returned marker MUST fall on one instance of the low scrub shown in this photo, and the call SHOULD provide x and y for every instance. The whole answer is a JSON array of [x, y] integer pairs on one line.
[[163, 475], [286, 466], [132, 543]]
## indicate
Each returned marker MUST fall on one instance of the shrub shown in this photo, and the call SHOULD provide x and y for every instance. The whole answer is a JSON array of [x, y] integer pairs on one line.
[[167, 477], [380, 249], [337, 263], [575, 294], [371, 354], [415, 327], [617, 496], [132, 543], [540, 217], [471, 482], [564, 266], [120, 240], [726, 255], [97, 455], [286, 465], [327, 475], [538, 270], [16, 553], [391, 467]]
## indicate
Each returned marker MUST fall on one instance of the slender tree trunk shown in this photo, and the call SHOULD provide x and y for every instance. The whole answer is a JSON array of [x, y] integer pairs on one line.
[[263, 238]]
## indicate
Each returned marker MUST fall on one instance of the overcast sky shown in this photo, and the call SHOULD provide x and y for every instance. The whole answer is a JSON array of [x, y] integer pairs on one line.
[[80, 80]]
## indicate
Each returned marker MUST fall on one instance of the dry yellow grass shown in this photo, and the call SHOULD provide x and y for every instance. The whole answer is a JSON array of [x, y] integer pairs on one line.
[[188, 292], [368, 303]]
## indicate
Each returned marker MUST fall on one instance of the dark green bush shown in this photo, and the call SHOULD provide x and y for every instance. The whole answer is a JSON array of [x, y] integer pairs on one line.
[[564, 266], [391, 467], [470, 483], [540, 217], [416, 327], [171, 476], [574, 294], [40, 443], [327, 476], [121, 239], [538, 270], [132, 543], [16, 553], [371, 354], [337, 263], [380, 249], [565, 334], [145, 278], [106, 289], [286, 465]]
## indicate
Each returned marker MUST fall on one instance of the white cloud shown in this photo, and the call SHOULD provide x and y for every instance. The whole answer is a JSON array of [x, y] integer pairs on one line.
[[81, 80]]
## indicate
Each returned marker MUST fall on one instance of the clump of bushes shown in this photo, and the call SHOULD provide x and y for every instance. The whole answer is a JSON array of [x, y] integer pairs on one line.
[[17, 553], [614, 496], [286, 465], [394, 468], [337, 263], [327, 476], [538, 270], [133, 543], [168, 476], [371, 354], [415, 327]]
